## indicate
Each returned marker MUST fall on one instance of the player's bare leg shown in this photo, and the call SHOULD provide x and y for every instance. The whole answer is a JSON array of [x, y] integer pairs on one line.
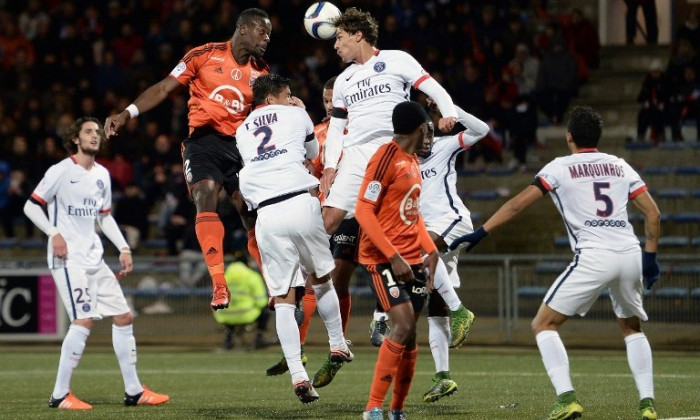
[[210, 234], [545, 326], [332, 217]]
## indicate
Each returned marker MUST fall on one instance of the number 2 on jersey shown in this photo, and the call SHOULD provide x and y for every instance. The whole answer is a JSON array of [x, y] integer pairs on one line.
[[267, 134]]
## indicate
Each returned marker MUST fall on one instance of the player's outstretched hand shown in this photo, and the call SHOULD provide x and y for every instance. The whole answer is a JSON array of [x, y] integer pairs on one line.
[[471, 239], [650, 269], [115, 122]]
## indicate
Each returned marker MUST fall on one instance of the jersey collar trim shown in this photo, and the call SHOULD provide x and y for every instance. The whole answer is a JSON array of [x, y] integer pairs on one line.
[[588, 150], [72, 157]]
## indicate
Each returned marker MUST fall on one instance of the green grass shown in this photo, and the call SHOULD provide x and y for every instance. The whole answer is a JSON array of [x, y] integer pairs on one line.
[[232, 385]]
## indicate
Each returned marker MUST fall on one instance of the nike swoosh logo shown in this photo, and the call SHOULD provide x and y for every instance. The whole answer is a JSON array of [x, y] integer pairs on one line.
[[73, 182]]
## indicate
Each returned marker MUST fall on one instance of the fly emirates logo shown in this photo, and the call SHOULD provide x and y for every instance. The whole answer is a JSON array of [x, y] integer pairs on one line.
[[366, 89], [89, 208]]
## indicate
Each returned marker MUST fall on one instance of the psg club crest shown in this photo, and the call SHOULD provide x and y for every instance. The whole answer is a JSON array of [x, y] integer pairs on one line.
[[86, 307], [379, 67], [100, 184], [394, 292]]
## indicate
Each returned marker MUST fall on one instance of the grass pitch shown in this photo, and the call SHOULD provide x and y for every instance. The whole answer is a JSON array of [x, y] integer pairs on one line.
[[494, 383]]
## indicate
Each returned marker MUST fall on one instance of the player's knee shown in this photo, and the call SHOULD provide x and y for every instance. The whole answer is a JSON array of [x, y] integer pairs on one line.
[[123, 320]]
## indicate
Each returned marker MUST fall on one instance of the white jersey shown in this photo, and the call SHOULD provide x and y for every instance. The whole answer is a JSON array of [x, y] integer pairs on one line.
[[439, 200], [591, 191], [75, 197], [271, 144], [370, 91]]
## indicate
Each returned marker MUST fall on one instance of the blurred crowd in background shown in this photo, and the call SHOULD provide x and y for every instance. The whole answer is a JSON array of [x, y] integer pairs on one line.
[[509, 62]]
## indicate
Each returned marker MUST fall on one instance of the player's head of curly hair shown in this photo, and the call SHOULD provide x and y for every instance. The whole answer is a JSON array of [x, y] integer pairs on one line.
[[269, 84], [251, 17], [73, 131], [353, 20], [585, 126]]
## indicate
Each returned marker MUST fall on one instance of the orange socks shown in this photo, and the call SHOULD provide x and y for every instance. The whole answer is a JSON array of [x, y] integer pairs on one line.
[[210, 234], [309, 305], [404, 377], [345, 304], [385, 370], [253, 249]]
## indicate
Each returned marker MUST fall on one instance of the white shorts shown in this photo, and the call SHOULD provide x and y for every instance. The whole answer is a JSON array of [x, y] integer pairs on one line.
[[591, 272], [450, 228], [349, 176], [90, 292], [290, 236]]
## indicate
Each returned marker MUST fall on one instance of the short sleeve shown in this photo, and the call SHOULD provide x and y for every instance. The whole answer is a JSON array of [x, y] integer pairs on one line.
[[46, 191]]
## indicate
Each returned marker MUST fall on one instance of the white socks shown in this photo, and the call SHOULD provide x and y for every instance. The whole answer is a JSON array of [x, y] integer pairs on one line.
[[71, 352], [329, 309], [555, 360], [641, 365], [124, 346], [443, 285], [438, 338], [288, 333]]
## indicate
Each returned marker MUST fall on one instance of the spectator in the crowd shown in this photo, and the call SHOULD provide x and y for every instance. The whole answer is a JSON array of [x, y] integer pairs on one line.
[[526, 78], [583, 40], [31, 18], [5, 214], [556, 81], [515, 34], [690, 29], [682, 56], [49, 154], [686, 104], [11, 43], [522, 130], [131, 214], [653, 97], [18, 191], [650, 20]]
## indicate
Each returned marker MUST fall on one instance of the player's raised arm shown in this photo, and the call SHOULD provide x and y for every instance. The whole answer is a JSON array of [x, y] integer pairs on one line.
[[149, 99], [333, 148], [443, 101]]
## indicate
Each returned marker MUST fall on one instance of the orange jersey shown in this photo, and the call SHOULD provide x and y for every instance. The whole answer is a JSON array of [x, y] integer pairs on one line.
[[321, 131], [221, 90], [387, 208]]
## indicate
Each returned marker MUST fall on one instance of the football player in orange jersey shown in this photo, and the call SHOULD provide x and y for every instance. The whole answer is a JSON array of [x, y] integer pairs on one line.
[[220, 76], [392, 239]]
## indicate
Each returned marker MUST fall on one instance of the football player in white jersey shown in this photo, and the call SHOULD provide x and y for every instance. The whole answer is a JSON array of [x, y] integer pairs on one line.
[[77, 192], [364, 96], [591, 190], [274, 141], [446, 218]]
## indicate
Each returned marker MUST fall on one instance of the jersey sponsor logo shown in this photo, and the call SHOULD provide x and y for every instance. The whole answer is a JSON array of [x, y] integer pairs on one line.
[[373, 190], [409, 205], [605, 223], [179, 69], [419, 290], [428, 173], [218, 59], [344, 239], [394, 292], [365, 89], [89, 208], [230, 97], [269, 155], [379, 67], [236, 74]]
